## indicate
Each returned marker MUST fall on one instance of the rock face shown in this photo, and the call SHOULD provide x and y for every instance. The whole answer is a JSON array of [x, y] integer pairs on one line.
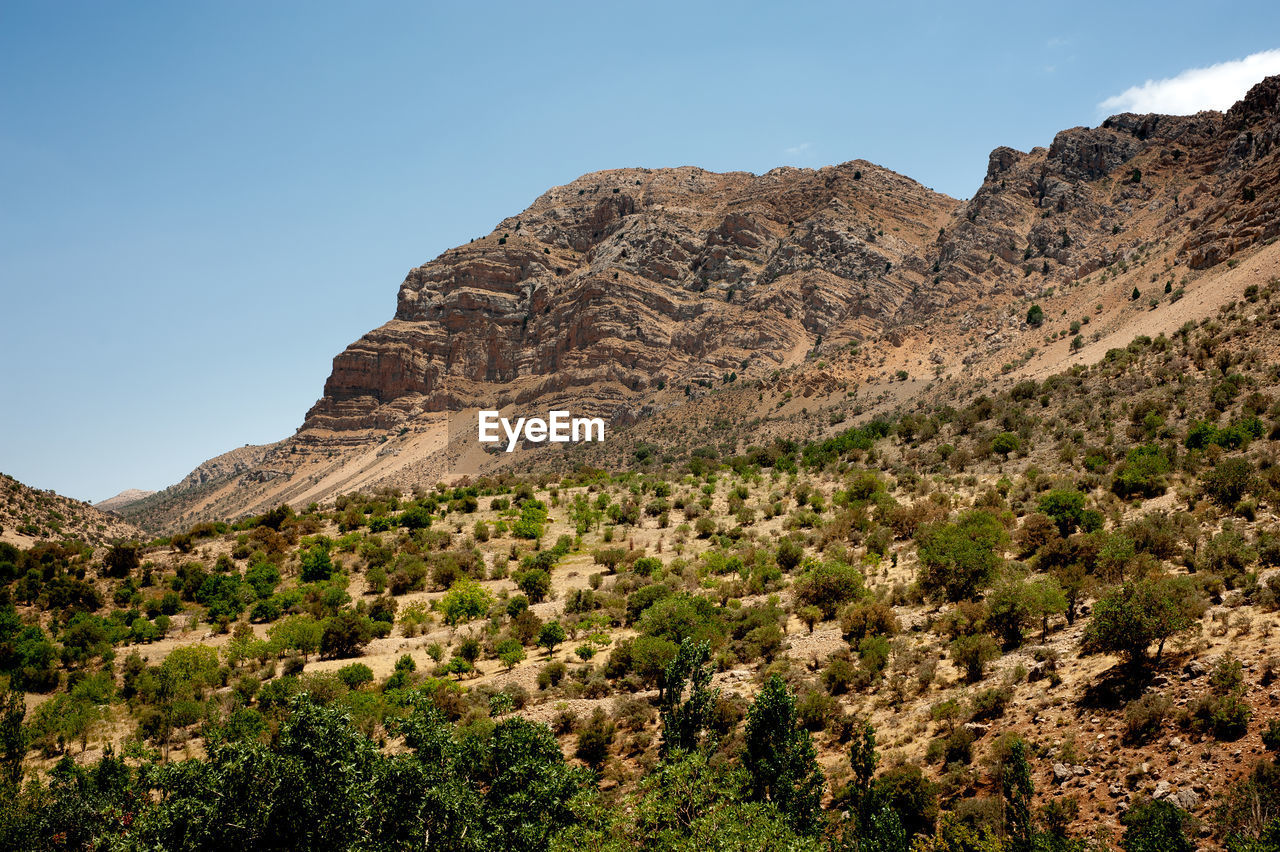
[[628, 278], [625, 279]]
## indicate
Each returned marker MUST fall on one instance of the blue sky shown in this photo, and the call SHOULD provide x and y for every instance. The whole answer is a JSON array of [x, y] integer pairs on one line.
[[201, 204]]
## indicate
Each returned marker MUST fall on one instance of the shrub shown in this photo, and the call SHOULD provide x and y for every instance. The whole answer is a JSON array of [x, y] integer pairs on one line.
[[316, 564], [594, 739], [1156, 825], [827, 585], [551, 674], [346, 634], [355, 675], [1144, 717], [789, 554], [1228, 481], [1223, 710], [510, 652], [1065, 507], [858, 620], [972, 653], [1005, 443], [465, 600], [534, 583]]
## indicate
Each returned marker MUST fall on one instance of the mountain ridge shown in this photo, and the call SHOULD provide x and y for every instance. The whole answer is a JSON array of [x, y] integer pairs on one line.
[[609, 291]]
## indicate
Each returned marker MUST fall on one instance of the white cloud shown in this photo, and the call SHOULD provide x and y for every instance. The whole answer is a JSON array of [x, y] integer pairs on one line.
[[802, 148], [1216, 87]]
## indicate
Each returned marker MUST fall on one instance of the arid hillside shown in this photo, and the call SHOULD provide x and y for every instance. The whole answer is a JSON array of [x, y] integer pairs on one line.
[[29, 515]]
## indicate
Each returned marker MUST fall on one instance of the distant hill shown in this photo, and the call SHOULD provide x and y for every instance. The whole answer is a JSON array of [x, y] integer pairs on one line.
[[124, 498], [29, 515]]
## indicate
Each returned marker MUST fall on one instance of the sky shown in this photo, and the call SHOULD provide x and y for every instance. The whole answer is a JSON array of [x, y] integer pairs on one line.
[[202, 203]]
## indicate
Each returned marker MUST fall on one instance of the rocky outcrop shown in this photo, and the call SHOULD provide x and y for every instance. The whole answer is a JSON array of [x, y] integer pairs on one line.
[[635, 277]]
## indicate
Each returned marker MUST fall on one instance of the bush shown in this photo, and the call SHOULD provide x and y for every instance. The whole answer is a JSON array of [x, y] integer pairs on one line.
[[972, 653], [594, 739], [534, 583], [1142, 473], [1156, 825], [346, 634], [1228, 481], [355, 675], [1065, 507], [465, 600], [789, 554], [1005, 443], [1223, 710], [858, 620], [1143, 718], [316, 564], [827, 585], [911, 796], [551, 674]]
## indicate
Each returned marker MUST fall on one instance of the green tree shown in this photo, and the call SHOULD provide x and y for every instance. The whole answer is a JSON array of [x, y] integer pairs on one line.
[[1155, 825], [789, 554], [684, 720], [510, 652], [345, 634], [535, 583], [972, 653], [1018, 792], [1047, 599], [863, 760], [780, 758], [1142, 473], [122, 559], [316, 564], [1005, 443], [13, 740], [1229, 480], [1066, 508], [957, 559], [300, 633], [466, 600], [1128, 619], [551, 635], [1035, 316], [828, 585], [529, 787]]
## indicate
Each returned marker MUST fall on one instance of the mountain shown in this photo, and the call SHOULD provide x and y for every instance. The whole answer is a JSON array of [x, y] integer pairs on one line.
[[631, 291], [124, 498], [29, 515]]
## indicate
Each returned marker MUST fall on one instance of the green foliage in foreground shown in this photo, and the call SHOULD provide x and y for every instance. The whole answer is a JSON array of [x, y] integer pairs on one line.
[[321, 785]]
